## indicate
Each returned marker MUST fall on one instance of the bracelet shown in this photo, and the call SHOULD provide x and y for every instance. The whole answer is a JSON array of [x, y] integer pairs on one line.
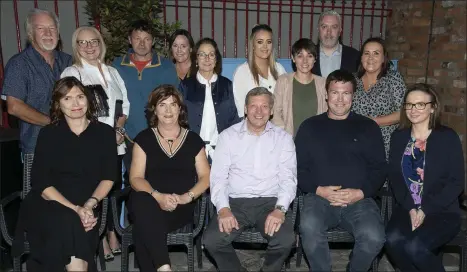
[[97, 201], [120, 130], [153, 191]]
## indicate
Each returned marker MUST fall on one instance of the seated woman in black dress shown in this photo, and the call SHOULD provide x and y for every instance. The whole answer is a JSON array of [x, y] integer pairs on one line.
[[75, 165], [426, 172], [168, 172]]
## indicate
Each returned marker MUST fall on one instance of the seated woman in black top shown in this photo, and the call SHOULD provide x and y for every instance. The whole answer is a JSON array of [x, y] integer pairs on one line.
[[426, 173], [168, 172], [75, 165], [208, 95]]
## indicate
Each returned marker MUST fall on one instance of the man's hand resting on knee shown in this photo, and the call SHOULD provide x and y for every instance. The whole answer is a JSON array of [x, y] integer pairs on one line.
[[227, 221], [274, 222]]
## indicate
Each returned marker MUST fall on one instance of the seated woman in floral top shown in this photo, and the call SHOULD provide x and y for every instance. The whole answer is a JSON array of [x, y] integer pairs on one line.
[[427, 214]]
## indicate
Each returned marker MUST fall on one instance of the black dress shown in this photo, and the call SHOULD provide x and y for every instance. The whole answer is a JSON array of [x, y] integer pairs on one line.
[[167, 174], [74, 165]]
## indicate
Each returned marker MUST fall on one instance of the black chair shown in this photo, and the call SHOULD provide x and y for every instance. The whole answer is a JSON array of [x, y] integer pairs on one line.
[[336, 235], [28, 159], [183, 236], [252, 236]]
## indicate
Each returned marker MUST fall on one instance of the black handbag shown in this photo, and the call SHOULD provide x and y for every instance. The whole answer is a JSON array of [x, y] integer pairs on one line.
[[99, 98]]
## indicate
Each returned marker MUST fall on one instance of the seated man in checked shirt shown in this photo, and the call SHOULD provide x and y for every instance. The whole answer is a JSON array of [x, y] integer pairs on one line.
[[253, 182]]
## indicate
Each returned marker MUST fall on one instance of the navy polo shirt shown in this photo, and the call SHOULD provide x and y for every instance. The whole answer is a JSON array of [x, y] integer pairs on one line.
[[29, 78]]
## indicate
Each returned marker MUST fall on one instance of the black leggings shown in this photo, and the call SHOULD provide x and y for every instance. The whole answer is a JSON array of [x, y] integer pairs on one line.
[[417, 250]]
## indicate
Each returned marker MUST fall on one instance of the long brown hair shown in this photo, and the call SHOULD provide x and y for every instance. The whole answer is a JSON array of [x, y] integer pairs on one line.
[[161, 93], [435, 104], [251, 55], [61, 88]]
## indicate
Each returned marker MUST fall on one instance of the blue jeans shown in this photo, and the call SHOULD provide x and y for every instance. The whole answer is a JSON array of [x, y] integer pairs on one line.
[[362, 219]]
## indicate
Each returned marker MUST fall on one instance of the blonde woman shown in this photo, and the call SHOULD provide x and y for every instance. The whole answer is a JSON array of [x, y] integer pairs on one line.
[[89, 67], [261, 68], [301, 94]]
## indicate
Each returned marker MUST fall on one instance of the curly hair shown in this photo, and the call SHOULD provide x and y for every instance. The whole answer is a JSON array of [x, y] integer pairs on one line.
[[159, 94], [61, 88]]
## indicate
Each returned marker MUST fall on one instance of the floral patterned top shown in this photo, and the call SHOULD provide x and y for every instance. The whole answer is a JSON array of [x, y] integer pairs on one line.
[[413, 167]]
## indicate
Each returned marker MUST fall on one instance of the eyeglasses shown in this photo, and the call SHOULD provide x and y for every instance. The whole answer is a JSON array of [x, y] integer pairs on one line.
[[418, 106], [203, 55], [84, 43]]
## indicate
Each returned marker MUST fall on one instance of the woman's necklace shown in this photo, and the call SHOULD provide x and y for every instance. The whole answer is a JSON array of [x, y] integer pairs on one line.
[[170, 142]]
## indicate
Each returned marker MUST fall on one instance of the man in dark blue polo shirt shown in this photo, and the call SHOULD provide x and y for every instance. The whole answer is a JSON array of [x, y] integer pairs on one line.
[[30, 77]]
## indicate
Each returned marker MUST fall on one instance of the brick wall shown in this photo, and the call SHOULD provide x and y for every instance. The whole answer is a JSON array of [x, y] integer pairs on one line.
[[408, 35]]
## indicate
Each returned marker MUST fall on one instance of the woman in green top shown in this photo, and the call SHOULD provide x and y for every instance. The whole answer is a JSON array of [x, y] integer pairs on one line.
[[301, 94]]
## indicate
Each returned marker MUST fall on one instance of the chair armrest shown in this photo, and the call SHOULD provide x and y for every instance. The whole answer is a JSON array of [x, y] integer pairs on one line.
[[292, 215], [3, 203], [113, 202], [105, 206], [202, 214]]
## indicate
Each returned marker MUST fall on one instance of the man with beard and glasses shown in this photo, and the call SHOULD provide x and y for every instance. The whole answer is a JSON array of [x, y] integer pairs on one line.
[[30, 77], [332, 55], [142, 70]]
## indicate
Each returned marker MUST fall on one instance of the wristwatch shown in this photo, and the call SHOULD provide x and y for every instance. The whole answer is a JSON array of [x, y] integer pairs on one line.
[[281, 208], [192, 195]]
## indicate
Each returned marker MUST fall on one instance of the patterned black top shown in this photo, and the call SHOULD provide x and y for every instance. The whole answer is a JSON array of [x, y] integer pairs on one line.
[[384, 98]]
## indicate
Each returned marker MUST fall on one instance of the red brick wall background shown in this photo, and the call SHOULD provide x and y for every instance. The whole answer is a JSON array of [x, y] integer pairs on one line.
[[408, 35]]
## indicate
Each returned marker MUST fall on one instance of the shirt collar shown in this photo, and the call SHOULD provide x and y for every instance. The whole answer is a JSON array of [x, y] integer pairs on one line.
[[244, 129], [336, 52], [204, 81], [39, 56], [87, 64]]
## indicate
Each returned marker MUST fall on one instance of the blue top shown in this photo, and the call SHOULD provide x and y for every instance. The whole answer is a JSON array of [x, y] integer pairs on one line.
[[140, 84], [348, 152], [194, 94], [29, 78], [413, 166]]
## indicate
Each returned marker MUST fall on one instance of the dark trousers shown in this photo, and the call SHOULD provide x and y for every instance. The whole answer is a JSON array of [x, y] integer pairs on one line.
[[362, 219], [416, 250], [150, 227], [249, 212]]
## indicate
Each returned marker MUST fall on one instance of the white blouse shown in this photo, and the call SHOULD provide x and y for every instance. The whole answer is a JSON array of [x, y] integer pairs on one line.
[[208, 131], [243, 82], [115, 90]]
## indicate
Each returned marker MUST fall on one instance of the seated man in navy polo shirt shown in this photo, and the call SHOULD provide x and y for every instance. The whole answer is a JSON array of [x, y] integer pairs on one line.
[[340, 166], [30, 77]]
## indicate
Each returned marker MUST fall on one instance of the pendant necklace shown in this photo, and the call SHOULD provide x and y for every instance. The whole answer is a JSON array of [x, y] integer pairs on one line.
[[170, 142]]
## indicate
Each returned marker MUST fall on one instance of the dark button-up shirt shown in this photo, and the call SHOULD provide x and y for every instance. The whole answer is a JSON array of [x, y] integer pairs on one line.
[[29, 78]]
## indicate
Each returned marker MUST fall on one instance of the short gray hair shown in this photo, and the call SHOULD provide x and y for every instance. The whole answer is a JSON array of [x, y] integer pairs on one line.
[[330, 12], [36, 11], [260, 91]]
